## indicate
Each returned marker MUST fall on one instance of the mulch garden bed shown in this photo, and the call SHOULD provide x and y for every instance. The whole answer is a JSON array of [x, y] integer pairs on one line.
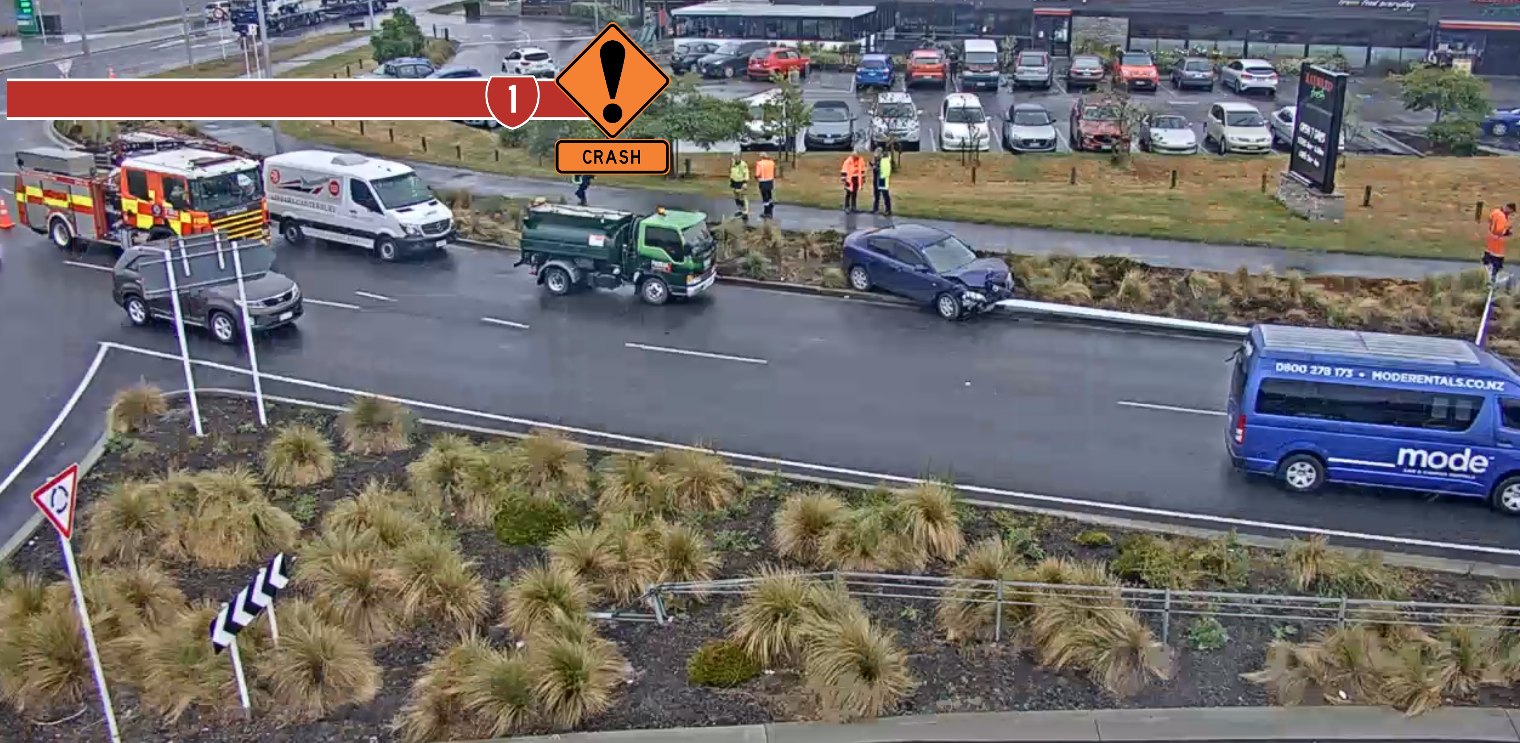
[[951, 677]]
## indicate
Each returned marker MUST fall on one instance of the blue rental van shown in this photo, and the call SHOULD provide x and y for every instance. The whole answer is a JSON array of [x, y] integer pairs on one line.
[[1314, 405]]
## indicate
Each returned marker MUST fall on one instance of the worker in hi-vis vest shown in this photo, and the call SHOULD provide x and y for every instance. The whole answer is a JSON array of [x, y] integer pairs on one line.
[[853, 174], [765, 177], [881, 181], [738, 180], [1500, 226]]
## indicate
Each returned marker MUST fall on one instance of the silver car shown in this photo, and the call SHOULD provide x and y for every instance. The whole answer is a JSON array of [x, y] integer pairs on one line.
[[1033, 70], [1168, 134], [1029, 128], [1246, 75]]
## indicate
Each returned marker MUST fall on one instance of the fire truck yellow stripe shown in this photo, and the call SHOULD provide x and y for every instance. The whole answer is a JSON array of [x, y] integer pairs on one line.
[[84, 201], [34, 192], [144, 221], [60, 203]]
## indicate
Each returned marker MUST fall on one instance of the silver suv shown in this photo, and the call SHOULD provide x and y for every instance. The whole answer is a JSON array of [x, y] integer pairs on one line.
[[273, 300], [894, 119], [1033, 70]]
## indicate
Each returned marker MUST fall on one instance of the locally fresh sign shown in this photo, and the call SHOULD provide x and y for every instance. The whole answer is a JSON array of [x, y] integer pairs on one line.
[[1404, 5], [1317, 128]]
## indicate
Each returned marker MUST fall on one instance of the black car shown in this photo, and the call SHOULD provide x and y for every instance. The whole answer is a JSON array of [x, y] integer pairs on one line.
[[273, 300], [684, 58], [833, 127], [730, 59]]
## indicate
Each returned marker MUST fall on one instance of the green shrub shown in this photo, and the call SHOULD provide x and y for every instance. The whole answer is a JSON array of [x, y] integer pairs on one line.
[[524, 520], [1094, 538], [1157, 562], [1025, 542], [1206, 633], [721, 663]]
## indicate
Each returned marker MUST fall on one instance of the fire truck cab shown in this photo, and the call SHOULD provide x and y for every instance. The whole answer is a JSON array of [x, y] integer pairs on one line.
[[63, 194]]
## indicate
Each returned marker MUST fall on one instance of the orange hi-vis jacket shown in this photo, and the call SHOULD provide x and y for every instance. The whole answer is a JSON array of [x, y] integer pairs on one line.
[[854, 169], [1498, 224], [765, 170]]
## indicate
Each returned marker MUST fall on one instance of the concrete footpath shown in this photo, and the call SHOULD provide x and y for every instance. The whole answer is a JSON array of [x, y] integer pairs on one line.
[[1135, 726]]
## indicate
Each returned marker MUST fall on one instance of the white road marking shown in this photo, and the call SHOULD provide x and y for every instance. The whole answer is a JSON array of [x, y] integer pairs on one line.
[[376, 297], [1171, 408], [325, 303], [68, 407], [91, 266], [703, 354], [506, 323], [1225, 521]]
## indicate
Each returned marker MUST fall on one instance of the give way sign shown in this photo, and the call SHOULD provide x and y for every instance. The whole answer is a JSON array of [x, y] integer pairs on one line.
[[57, 499]]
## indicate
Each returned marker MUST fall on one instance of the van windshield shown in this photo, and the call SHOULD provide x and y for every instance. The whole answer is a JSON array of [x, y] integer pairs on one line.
[[981, 58], [401, 191], [226, 191]]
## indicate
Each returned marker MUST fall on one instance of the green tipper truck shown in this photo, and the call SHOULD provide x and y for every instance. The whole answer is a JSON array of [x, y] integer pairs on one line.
[[666, 254]]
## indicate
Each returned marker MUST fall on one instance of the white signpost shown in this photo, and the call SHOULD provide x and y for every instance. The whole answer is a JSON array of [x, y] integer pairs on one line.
[[57, 499], [256, 598]]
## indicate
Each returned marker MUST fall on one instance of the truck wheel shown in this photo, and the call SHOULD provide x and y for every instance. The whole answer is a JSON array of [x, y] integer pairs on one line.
[[557, 281], [61, 233], [137, 310], [223, 328], [291, 231], [386, 249], [654, 291]]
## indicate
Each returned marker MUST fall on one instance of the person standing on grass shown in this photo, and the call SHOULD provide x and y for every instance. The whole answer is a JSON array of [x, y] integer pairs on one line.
[[738, 180], [582, 182], [853, 174], [765, 177], [1500, 227], [881, 181]]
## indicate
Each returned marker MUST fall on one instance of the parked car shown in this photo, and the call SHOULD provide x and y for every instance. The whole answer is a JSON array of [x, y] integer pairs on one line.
[[1246, 75], [530, 60], [833, 127], [1085, 69], [729, 59], [875, 71], [1282, 123], [1097, 123], [894, 120], [273, 300], [1137, 71], [926, 265], [683, 58], [1503, 122], [1029, 128], [1233, 126], [963, 124], [776, 61], [979, 65], [927, 66], [406, 68], [760, 134], [1168, 134], [1193, 72], [1033, 70], [457, 72]]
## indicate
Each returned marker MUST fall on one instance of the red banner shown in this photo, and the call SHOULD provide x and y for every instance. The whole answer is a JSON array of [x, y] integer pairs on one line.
[[514, 99]]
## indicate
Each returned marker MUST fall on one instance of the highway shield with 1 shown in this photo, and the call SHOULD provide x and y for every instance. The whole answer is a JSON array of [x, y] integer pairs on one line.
[[512, 100], [57, 499]]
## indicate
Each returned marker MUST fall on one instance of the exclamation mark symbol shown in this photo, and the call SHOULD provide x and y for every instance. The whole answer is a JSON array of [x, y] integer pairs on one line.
[[613, 53]]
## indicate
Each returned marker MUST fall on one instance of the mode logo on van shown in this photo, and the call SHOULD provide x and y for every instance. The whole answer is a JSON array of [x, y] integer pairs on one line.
[[1463, 462]]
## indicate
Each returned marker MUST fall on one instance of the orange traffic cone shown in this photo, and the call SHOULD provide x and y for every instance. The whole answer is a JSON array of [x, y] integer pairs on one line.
[[5, 217]]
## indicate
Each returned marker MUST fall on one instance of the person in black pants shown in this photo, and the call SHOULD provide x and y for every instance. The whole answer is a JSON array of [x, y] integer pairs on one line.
[[582, 182]]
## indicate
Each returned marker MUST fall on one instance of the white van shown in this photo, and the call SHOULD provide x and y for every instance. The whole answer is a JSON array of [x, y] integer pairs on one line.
[[356, 200], [758, 133], [980, 65]]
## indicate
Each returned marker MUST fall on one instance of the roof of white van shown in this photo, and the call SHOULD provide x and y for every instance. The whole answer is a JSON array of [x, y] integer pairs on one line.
[[981, 44], [337, 163]]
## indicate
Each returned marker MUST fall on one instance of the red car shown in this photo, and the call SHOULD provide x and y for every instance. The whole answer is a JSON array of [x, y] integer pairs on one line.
[[1097, 123], [766, 62], [1137, 70], [926, 66]]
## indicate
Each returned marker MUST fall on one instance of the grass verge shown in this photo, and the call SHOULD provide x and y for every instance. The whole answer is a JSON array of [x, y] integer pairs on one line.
[[233, 67]]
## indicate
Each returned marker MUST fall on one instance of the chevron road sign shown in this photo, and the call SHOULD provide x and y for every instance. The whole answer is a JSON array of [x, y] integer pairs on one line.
[[249, 603]]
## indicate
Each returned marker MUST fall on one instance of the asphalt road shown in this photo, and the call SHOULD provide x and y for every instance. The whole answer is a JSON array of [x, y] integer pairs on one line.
[[1017, 406]]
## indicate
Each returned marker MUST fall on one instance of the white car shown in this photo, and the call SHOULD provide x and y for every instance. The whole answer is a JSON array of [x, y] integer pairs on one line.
[[1283, 120], [1237, 127], [1246, 75], [758, 133], [963, 124], [1168, 134], [529, 60]]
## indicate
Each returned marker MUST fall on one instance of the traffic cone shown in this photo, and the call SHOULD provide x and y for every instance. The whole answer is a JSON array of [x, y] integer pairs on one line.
[[5, 217]]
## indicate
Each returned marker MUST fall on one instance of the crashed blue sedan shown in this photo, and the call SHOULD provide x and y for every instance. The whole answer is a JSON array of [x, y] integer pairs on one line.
[[1503, 122], [926, 265]]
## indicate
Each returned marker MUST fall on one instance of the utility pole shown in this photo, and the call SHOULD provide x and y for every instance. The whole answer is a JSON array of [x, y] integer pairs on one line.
[[184, 20], [84, 39], [274, 126], [372, 16]]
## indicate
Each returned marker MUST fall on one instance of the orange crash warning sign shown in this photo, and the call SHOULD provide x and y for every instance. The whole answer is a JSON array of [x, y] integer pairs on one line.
[[613, 80], [612, 156]]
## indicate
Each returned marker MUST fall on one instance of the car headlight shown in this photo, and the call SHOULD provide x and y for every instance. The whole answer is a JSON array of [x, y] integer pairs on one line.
[[412, 230]]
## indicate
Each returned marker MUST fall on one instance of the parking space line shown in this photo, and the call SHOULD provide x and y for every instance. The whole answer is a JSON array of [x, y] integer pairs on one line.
[[1171, 408], [376, 297], [504, 323], [702, 354], [91, 266], [325, 303]]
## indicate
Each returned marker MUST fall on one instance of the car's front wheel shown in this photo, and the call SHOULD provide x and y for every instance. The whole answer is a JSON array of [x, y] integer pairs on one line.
[[137, 310], [1499, 129], [1506, 497], [223, 328], [860, 278], [949, 306], [1301, 473], [728, 73]]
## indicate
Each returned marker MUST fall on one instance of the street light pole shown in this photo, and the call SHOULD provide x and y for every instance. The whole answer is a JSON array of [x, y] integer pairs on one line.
[[184, 22], [371, 15], [274, 126]]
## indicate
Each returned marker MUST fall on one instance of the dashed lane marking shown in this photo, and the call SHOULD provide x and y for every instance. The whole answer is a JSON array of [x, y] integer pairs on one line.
[[504, 323], [339, 305], [702, 354], [376, 297], [1171, 408]]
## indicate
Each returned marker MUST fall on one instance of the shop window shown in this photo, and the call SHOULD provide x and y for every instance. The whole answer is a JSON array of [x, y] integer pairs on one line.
[[809, 29], [791, 28], [828, 30], [1144, 45]]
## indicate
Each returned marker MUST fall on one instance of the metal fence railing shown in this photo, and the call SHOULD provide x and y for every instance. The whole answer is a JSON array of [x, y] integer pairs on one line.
[[1163, 604]]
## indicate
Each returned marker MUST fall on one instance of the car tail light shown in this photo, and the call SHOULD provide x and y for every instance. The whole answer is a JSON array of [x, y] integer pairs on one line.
[[1240, 430]]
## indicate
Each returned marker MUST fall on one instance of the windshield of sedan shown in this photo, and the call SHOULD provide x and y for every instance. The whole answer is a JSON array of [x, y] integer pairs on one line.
[[830, 113], [1030, 118], [1100, 113], [226, 191], [965, 115], [1140, 60], [1244, 118], [1169, 122], [897, 111], [948, 254], [400, 191]]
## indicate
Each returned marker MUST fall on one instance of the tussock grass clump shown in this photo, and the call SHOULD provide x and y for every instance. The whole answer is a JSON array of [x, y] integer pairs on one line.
[[876, 536], [442, 480], [721, 663], [633, 484], [968, 611], [1117, 650], [378, 510], [766, 623], [298, 456], [318, 668], [549, 465], [1314, 566], [933, 524], [372, 425], [44, 664], [435, 707], [636, 561], [134, 521], [802, 522], [232, 523], [856, 668], [136, 409], [698, 480], [683, 554], [180, 670], [439, 584], [354, 583], [142, 596], [574, 677], [538, 595], [589, 552], [498, 694]]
